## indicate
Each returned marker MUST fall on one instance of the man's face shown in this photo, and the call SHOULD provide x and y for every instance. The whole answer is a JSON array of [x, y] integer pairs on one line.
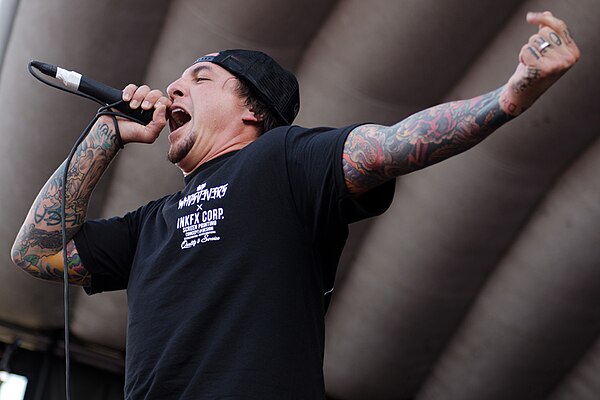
[[205, 110]]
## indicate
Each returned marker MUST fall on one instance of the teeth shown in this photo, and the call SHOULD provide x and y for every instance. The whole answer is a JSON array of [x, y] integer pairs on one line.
[[178, 117]]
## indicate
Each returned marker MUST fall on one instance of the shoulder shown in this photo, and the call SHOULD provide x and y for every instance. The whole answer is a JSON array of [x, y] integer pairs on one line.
[[316, 138], [296, 131]]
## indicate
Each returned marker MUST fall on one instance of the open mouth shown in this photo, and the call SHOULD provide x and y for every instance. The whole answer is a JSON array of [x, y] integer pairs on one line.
[[177, 118]]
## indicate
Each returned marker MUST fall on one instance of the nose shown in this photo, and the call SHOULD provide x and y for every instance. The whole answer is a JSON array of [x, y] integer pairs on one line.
[[175, 89]]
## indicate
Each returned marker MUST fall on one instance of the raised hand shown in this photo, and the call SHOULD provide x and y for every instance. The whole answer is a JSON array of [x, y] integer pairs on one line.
[[147, 99], [542, 60]]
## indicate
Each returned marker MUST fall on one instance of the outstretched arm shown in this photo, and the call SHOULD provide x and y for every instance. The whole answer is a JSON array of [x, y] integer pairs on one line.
[[374, 154], [38, 246]]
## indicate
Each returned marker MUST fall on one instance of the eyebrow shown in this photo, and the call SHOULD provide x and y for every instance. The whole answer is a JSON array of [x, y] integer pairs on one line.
[[201, 68]]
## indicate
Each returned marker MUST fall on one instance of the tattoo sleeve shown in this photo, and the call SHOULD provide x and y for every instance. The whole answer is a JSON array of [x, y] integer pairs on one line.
[[37, 249], [374, 154]]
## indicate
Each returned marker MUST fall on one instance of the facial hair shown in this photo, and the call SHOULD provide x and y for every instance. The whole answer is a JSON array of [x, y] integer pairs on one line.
[[176, 154]]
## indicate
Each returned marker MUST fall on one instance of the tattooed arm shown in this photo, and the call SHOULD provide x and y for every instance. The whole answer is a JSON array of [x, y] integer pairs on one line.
[[374, 154], [38, 246]]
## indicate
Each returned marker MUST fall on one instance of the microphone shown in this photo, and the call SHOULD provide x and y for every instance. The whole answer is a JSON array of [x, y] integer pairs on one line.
[[104, 93]]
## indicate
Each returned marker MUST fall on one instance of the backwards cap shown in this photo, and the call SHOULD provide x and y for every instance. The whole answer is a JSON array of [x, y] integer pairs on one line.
[[276, 87]]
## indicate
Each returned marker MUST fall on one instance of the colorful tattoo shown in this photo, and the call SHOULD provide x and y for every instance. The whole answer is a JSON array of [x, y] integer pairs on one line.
[[37, 249], [374, 154], [46, 267]]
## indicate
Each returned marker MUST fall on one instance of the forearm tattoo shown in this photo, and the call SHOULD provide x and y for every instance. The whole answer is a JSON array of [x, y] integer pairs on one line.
[[533, 74], [374, 154], [43, 266], [40, 238]]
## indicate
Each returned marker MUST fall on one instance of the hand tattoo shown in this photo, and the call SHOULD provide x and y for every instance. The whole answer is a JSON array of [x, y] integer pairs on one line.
[[533, 74]]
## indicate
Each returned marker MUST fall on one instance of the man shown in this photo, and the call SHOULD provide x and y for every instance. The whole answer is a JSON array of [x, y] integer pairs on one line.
[[228, 279]]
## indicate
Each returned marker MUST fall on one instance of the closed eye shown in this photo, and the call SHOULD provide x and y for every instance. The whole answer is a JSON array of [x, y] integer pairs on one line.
[[199, 71]]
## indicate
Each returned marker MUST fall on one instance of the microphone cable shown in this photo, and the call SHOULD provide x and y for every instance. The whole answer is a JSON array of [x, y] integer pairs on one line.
[[104, 110]]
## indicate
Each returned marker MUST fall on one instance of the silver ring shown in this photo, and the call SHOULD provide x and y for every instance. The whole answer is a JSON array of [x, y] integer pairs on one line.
[[544, 46]]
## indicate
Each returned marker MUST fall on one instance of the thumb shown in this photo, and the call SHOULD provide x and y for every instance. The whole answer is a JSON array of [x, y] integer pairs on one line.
[[159, 117], [159, 121]]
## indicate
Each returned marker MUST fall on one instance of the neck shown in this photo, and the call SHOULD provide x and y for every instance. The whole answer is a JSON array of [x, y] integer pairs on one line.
[[238, 145]]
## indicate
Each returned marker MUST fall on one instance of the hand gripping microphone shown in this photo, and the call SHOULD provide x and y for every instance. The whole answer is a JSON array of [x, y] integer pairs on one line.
[[101, 92]]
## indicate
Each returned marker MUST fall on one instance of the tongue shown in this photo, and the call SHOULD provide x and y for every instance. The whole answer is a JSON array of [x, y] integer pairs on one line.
[[178, 120]]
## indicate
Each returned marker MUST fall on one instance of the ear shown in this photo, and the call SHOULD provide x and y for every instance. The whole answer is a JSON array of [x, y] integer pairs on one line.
[[250, 117]]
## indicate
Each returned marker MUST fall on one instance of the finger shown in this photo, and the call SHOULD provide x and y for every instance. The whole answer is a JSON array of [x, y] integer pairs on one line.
[[138, 96], [546, 18], [159, 120], [165, 101], [128, 91], [554, 38], [559, 45], [539, 43], [529, 55], [160, 113], [151, 98]]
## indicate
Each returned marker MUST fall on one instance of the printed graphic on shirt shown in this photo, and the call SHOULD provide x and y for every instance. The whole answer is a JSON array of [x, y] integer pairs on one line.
[[200, 225]]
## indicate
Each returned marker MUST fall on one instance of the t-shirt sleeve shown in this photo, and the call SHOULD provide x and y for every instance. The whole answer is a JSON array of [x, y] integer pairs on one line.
[[317, 177], [106, 248]]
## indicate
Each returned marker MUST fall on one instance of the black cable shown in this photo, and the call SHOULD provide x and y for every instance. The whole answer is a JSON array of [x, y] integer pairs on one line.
[[104, 110], [101, 111]]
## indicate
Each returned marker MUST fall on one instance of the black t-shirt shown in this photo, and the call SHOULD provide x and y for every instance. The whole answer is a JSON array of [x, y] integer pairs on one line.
[[226, 278]]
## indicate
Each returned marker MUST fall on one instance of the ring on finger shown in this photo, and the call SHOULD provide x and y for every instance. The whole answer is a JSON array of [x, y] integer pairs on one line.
[[544, 46]]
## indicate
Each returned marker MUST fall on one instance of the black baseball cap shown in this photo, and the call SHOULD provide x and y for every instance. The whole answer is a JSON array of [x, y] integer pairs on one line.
[[274, 85]]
